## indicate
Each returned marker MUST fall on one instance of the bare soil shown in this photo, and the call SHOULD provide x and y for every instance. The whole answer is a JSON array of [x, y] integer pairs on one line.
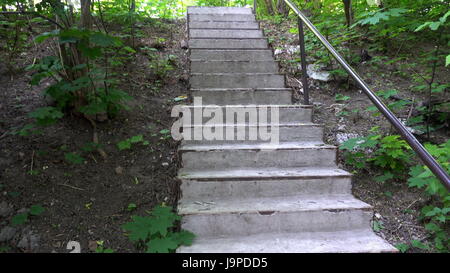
[[89, 202]]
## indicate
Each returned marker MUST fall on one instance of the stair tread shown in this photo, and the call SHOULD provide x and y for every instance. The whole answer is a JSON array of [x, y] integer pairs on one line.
[[353, 241], [266, 173], [218, 10], [270, 205], [256, 146]]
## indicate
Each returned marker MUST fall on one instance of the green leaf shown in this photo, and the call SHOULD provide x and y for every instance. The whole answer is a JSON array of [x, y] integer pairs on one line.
[[19, 219], [402, 247], [136, 139], [123, 145], [104, 40], [184, 237], [44, 36], [435, 25], [74, 158], [386, 176], [447, 60], [420, 245], [161, 245], [36, 210], [139, 229]]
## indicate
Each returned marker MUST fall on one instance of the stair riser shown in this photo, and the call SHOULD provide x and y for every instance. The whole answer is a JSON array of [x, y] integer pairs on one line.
[[244, 224], [225, 33], [286, 115], [228, 43], [221, 17], [224, 25], [234, 66], [244, 97], [200, 81], [233, 159], [218, 10], [207, 190], [230, 55], [310, 134]]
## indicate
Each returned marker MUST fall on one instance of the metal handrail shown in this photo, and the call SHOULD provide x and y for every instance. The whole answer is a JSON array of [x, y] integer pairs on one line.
[[423, 154]]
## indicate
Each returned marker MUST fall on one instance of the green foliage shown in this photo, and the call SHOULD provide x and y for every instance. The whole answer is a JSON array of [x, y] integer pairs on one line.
[[22, 218], [155, 232], [74, 158], [127, 143], [437, 215], [388, 153]]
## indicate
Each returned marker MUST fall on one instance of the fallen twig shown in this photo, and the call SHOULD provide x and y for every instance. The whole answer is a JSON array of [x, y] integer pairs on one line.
[[75, 188]]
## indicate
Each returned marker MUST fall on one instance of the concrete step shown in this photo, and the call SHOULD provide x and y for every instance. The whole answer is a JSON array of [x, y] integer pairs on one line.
[[222, 17], [352, 241], [229, 134], [237, 80], [216, 43], [231, 55], [244, 96], [271, 173], [219, 10], [249, 216], [248, 156], [224, 25], [234, 66], [236, 185], [225, 33], [288, 114]]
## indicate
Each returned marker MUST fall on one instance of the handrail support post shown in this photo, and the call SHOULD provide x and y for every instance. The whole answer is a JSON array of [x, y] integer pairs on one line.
[[301, 36]]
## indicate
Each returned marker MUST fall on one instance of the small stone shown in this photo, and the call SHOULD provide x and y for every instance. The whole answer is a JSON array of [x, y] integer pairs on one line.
[[165, 164], [184, 44], [7, 233], [5, 209], [119, 170], [29, 241], [378, 215], [23, 210]]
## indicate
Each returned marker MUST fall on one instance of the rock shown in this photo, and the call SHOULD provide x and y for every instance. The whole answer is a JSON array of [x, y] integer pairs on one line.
[[23, 210], [343, 137], [314, 72], [277, 51], [119, 170], [184, 44], [29, 241], [292, 49], [7, 233], [5, 209], [341, 128], [165, 164]]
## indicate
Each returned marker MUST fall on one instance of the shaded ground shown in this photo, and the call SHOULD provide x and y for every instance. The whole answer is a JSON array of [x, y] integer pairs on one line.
[[89, 202], [397, 207]]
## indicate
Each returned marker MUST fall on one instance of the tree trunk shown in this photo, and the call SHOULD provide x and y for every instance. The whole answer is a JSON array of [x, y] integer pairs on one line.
[[348, 12], [86, 19], [269, 7], [282, 8]]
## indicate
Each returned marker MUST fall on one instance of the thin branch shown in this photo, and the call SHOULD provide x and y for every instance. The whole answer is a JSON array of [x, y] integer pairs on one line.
[[34, 13]]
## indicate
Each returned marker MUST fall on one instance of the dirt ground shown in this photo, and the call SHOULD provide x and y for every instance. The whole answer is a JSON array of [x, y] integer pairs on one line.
[[396, 206], [89, 202]]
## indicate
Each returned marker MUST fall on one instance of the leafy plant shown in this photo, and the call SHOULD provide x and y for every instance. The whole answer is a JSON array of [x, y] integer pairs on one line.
[[127, 143], [155, 233], [436, 215], [22, 218]]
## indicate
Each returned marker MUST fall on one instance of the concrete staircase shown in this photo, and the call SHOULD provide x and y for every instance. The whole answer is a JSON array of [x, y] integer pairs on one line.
[[250, 195]]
